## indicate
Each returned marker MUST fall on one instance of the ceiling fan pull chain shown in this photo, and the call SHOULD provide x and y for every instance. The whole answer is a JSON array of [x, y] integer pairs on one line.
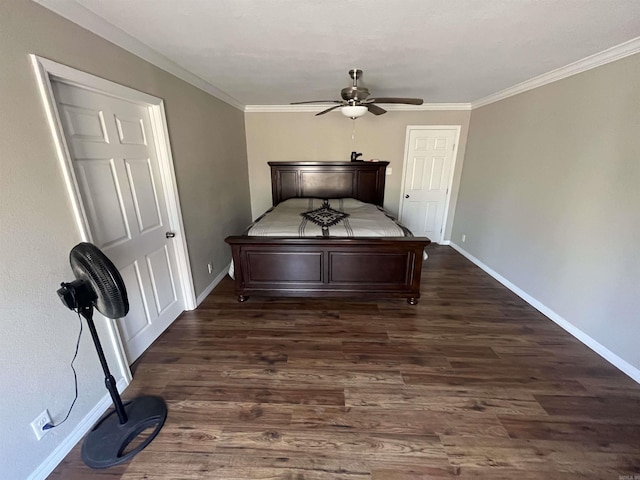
[[353, 131]]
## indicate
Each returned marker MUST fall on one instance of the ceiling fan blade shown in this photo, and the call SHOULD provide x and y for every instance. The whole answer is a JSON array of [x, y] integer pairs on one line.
[[408, 101], [316, 101], [375, 109], [328, 110]]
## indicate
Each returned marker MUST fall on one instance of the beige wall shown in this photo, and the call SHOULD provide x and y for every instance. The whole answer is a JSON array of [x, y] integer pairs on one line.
[[38, 230], [303, 136], [550, 199]]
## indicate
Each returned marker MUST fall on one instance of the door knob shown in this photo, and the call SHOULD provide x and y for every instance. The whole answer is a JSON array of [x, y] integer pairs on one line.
[[169, 234], [406, 196]]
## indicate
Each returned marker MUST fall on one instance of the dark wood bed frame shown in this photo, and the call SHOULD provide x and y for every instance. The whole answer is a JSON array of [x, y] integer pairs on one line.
[[328, 266]]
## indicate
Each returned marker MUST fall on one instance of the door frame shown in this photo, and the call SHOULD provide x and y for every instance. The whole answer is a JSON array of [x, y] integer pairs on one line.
[[454, 155], [47, 70]]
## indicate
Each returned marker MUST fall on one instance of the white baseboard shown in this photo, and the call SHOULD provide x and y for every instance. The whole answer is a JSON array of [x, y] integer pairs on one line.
[[63, 449], [601, 350], [212, 285]]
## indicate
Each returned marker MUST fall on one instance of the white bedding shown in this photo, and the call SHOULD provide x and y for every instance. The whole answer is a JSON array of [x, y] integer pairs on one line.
[[363, 220]]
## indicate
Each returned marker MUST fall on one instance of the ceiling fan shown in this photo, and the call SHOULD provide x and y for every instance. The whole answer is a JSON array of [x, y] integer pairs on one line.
[[355, 102]]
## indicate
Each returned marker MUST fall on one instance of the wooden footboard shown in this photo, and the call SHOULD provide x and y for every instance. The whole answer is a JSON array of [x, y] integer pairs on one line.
[[328, 267]]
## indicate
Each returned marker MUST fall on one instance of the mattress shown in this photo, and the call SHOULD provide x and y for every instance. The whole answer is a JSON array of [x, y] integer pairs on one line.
[[316, 217]]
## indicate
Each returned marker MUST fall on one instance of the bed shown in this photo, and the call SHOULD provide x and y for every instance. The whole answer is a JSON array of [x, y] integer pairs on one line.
[[328, 266]]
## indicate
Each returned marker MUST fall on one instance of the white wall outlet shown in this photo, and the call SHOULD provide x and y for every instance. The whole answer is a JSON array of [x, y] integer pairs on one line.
[[39, 422], [389, 170], [210, 268], [464, 238]]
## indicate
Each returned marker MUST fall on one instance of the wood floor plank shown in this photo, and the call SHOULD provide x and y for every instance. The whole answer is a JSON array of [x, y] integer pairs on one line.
[[596, 434], [449, 400], [371, 361], [391, 349], [293, 442], [252, 467], [471, 383], [612, 407], [253, 394], [313, 377], [190, 413], [538, 455], [512, 378], [406, 421]]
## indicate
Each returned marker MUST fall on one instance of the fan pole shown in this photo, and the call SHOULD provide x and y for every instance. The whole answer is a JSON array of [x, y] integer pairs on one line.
[[110, 382]]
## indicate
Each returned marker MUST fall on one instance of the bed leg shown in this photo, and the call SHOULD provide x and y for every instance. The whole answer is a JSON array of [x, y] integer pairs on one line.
[[412, 300], [242, 298]]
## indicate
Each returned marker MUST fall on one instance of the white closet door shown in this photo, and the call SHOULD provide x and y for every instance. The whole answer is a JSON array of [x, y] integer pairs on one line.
[[116, 168]]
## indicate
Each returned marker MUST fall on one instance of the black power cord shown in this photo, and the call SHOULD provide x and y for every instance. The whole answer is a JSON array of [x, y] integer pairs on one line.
[[49, 426]]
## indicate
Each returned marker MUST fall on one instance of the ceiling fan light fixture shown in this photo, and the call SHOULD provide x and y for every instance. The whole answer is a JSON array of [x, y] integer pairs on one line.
[[353, 111], [356, 101]]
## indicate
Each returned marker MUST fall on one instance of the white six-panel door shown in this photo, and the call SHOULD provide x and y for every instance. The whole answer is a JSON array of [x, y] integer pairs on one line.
[[428, 163], [116, 169]]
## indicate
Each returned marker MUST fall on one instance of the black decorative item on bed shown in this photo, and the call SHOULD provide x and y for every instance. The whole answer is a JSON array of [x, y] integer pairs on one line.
[[325, 217], [328, 266]]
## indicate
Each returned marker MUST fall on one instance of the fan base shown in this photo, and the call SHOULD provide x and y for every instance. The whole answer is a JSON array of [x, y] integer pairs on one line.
[[105, 445]]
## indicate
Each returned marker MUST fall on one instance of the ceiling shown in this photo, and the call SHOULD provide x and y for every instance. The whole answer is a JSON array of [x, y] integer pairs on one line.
[[273, 52]]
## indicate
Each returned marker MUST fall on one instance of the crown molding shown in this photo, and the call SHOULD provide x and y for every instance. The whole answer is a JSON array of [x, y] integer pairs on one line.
[[319, 107], [88, 20], [596, 60]]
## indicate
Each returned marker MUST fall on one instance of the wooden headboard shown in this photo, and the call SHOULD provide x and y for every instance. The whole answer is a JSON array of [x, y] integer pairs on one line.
[[361, 180]]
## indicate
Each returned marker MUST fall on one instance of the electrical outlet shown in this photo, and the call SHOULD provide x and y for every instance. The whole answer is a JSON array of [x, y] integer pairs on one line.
[[389, 170], [40, 421], [464, 238], [210, 268]]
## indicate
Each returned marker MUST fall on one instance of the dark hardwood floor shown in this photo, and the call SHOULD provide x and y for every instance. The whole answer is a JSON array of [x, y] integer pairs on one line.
[[470, 383]]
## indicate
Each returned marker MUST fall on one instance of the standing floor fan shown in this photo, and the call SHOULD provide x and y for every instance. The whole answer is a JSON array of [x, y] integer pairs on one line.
[[99, 284]]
